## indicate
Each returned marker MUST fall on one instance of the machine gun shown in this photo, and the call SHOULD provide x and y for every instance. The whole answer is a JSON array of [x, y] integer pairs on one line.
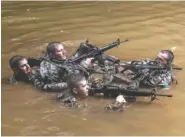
[[113, 91]]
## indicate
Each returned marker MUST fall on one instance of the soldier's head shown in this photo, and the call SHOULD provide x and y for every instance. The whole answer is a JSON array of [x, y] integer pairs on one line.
[[19, 64], [56, 50], [165, 57], [78, 85]]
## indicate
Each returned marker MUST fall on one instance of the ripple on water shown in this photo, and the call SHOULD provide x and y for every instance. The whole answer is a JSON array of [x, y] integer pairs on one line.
[[33, 130]]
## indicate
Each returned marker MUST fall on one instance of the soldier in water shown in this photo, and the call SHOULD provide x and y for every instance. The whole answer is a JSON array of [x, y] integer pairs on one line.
[[23, 72], [78, 90], [153, 77], [47, 75], [52, 67]]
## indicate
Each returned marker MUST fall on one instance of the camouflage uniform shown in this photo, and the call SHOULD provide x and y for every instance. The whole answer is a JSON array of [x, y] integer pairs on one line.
[[160, 77], [68, 99], [35, 78], [50, 72]]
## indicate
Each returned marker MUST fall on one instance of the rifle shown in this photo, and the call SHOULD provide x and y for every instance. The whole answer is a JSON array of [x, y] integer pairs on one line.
[[86, 47], [143, 71], [146, 66], [95, 51], [72, 64], [115, 91], [92, 51], [33, 61]]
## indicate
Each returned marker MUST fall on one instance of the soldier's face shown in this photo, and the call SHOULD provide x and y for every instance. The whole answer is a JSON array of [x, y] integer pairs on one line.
[[83, 89], [162, 58], [60, 52], [24, 67]]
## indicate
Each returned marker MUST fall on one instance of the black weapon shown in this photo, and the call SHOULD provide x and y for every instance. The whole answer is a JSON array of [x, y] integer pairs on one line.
[[33, 61], [87, 51], [136, 65], [176, 67], [149, 71], [95, 51], [114, 91], [143, 66]]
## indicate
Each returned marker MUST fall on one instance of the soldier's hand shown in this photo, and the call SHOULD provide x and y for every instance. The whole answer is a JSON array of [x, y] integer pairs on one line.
[[87, 62], [119, 68]]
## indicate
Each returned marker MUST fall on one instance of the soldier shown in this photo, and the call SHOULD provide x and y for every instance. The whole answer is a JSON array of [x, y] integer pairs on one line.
[[51, 67], [20, 67], [23, 72], [49, 76], [50, 72], [166, 77], [154, 77], [78, 90]]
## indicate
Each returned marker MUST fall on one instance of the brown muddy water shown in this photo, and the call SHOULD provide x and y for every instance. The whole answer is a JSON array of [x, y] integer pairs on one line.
[[27, 27]]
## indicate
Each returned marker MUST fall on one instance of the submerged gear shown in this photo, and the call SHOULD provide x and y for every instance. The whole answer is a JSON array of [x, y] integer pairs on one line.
[[149, 75], [69, 100]]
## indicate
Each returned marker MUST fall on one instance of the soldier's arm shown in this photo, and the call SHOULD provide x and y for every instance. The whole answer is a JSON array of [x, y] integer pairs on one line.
[[50, 87], [40, 84]]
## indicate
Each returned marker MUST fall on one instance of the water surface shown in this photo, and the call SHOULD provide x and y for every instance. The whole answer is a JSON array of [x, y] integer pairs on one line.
[[27, 27]]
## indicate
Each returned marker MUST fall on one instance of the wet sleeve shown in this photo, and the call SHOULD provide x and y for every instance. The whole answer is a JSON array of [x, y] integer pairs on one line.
[[39, 83], [50, 87]]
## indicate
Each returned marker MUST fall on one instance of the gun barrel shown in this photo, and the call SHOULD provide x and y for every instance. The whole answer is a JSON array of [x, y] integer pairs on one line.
[[164, 95], [141, 66], [112, 45], [124, 41], [177, 68]]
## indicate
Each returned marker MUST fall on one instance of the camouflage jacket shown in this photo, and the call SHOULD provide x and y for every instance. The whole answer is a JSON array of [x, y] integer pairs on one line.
[[35, 78], [159, 77], [129, 77], [50, 72]]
